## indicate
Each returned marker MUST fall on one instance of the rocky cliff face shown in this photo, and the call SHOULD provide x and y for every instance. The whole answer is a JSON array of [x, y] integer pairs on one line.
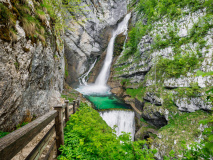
[[31, 77], [89, 39], [160, 78]]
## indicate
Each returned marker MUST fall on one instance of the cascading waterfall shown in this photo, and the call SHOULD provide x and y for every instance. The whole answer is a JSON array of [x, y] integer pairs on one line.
[[82, 79], [124, 120], [104, 74], [100, 86]]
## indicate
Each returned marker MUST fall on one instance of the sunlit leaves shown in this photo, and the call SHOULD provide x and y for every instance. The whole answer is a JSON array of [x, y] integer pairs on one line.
[[87, 136]]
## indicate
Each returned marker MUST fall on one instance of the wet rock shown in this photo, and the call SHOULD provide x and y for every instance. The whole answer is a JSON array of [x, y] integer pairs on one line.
[[152, 98], [155, 115], [139, 105], [145, 131]]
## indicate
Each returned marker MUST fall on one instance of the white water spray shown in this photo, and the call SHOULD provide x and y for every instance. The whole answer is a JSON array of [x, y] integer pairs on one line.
[[124, 120]]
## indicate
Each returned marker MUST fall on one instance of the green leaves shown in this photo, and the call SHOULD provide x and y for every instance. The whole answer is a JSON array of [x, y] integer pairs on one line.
[[87, 136], [180, 65], [2, 134]]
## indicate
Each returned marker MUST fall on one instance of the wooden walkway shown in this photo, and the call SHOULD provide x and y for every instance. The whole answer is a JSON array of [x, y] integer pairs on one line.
[[14, 142]]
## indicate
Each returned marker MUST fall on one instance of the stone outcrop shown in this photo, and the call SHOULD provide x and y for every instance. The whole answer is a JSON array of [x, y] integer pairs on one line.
[[31, 78], [145, 132], [31, 81]]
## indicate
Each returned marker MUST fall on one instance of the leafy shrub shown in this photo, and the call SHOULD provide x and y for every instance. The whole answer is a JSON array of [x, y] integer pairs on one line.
[[180, 65], [21, 125], [2, 134], [87, 136], [139, 92]]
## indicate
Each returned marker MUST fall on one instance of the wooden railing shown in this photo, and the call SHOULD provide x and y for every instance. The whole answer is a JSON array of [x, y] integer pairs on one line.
[[14, 142]]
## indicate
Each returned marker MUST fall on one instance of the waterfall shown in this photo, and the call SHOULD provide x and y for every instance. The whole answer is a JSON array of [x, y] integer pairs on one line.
[[124, 120], [82, 79], [104, 74], [100, 87]]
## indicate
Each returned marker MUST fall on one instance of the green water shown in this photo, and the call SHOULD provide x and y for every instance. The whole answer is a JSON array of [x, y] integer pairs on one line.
[[107, 102]]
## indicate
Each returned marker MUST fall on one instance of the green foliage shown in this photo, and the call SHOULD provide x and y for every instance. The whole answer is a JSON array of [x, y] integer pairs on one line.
[[181, 127], [203, 74], [180, 65], [87, 136], [156, 9], [35, 23], [202, 150], [16, 65], [66, 73], [69, 97], [2, 134], [6, 22], [136, 93], [21, 125], [143, 120], [193, 91]]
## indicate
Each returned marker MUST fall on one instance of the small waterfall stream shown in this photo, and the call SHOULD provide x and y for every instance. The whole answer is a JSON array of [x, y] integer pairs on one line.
[[100, 92], [82, 79], [123, 119]]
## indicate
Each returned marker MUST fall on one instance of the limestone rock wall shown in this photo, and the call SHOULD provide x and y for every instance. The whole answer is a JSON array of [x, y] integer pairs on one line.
[[161, 79], [31, 79], [145, 70]]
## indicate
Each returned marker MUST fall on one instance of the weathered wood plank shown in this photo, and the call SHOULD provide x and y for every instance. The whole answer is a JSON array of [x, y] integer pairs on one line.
[[49, 155], [37, 151], [12, 143]]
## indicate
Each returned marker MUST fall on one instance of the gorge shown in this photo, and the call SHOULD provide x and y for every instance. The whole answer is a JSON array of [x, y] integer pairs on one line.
[[145, 65]]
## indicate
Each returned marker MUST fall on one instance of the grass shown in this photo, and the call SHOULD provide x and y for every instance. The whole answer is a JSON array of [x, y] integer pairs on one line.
[[35, 23], [179, 65], [2, 134], [181, 127], [21, 125], [136, 93]]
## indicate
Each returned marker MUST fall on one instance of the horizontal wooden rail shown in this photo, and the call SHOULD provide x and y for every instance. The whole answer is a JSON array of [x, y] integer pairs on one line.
[[49, 154], [37, 151], [12, 143]]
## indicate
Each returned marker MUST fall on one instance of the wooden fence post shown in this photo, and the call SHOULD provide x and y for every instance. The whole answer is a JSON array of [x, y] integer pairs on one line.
[[59, 128], [78, 103], [74, 102], [67, 111]]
